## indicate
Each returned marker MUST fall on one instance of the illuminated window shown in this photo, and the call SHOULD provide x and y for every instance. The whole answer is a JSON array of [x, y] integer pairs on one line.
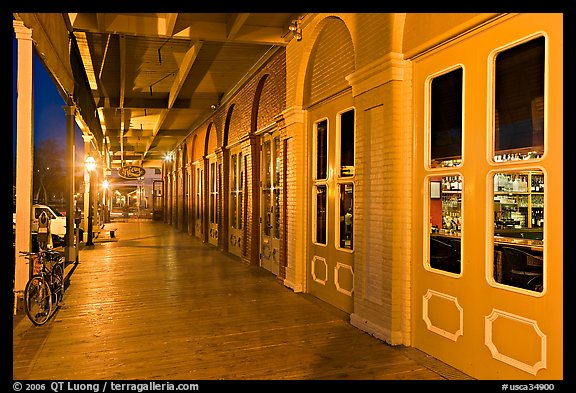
[[518, 228], [346, 214], [445, 206]]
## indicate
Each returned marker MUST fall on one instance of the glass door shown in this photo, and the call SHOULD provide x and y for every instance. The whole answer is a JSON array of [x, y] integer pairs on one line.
[[198, 202], [213, 210], [236, 201], [270, 203], [331, 263]]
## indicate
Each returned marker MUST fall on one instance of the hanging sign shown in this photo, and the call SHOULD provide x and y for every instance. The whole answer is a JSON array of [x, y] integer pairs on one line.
[[131, 172]]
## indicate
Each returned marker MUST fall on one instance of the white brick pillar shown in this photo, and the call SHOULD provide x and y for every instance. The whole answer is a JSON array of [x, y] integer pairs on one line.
[[297, 197], [25, 154], [382, 257]]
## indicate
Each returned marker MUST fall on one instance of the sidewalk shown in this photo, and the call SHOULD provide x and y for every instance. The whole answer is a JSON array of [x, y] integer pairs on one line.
[[159, 304]]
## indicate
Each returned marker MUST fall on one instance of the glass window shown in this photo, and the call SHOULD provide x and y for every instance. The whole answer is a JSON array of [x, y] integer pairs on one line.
[[346, 215], [198, 192], [213, 194], [234, 209], [267, 156], [321, 215], [347, 144], [322, 149], [234, 191], [446, 119], [276, 212], [216, 183], [240, 188], [267, 211], [445, 204], [277, 162], [519, 102], [518, 228]]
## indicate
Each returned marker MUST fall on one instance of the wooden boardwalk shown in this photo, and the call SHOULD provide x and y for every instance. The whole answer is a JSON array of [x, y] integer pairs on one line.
[[154, 303]]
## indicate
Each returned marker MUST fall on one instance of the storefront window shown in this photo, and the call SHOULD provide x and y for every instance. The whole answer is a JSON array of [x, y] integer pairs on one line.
[[277, 166], [445, 204], [321, 224], [446, 119], [236, 191], [241, 163], [198, 192], [322, 149], [519, 102], [213, 194], [518, 228], [233, 190], [347, 144], [346, 215], [267, 156]]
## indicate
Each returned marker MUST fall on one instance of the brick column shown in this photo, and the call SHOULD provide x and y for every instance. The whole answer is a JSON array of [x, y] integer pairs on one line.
[[295, 191], [382, 256]]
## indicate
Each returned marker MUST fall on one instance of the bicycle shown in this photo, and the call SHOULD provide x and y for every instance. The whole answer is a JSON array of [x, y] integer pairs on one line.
[[45, 288]]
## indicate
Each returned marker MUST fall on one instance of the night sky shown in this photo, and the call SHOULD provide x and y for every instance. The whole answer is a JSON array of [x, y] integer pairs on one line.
[[49, 115]]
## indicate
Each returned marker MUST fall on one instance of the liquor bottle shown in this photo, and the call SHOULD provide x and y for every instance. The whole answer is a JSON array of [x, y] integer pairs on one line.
[[516, 184]]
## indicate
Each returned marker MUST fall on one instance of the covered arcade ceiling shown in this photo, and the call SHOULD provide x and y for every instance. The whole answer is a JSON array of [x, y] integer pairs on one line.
[[151, 78]]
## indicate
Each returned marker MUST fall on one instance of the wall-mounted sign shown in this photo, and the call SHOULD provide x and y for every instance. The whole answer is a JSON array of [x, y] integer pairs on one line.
[[131, 172]]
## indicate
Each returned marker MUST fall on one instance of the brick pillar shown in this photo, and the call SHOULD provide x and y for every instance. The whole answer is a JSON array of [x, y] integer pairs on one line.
[[382, 256], [295, 197]]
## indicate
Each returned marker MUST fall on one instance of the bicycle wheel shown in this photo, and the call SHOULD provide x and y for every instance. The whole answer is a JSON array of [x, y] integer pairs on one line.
[[57, 277], [38, 300]]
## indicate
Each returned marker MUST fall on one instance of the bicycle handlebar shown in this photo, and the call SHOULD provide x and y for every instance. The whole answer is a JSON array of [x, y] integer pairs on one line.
[[39, 253]]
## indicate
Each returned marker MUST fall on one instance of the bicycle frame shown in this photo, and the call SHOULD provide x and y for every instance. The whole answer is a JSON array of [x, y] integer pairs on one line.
[[46, 287]]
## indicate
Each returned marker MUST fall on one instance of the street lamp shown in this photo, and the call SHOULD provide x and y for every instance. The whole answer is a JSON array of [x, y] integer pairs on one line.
[[90, 164]]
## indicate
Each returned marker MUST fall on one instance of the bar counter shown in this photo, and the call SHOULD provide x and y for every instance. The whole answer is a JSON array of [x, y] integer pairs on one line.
[[531, 244]]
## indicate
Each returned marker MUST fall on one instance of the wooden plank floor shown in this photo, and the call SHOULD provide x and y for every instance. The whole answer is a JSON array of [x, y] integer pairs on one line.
[[158, 304]]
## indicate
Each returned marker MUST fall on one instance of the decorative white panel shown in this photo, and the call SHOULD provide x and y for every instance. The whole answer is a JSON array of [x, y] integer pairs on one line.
[[532, 369], [450, 335], [337, 278], [320, 280]]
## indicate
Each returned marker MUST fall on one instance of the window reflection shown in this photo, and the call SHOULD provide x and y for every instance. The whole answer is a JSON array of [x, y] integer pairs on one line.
[[322, 149], [446, 119], [519, 102], [347, 144]]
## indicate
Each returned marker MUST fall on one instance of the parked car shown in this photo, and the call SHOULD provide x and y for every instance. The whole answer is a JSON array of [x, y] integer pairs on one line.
[[57, 223]]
